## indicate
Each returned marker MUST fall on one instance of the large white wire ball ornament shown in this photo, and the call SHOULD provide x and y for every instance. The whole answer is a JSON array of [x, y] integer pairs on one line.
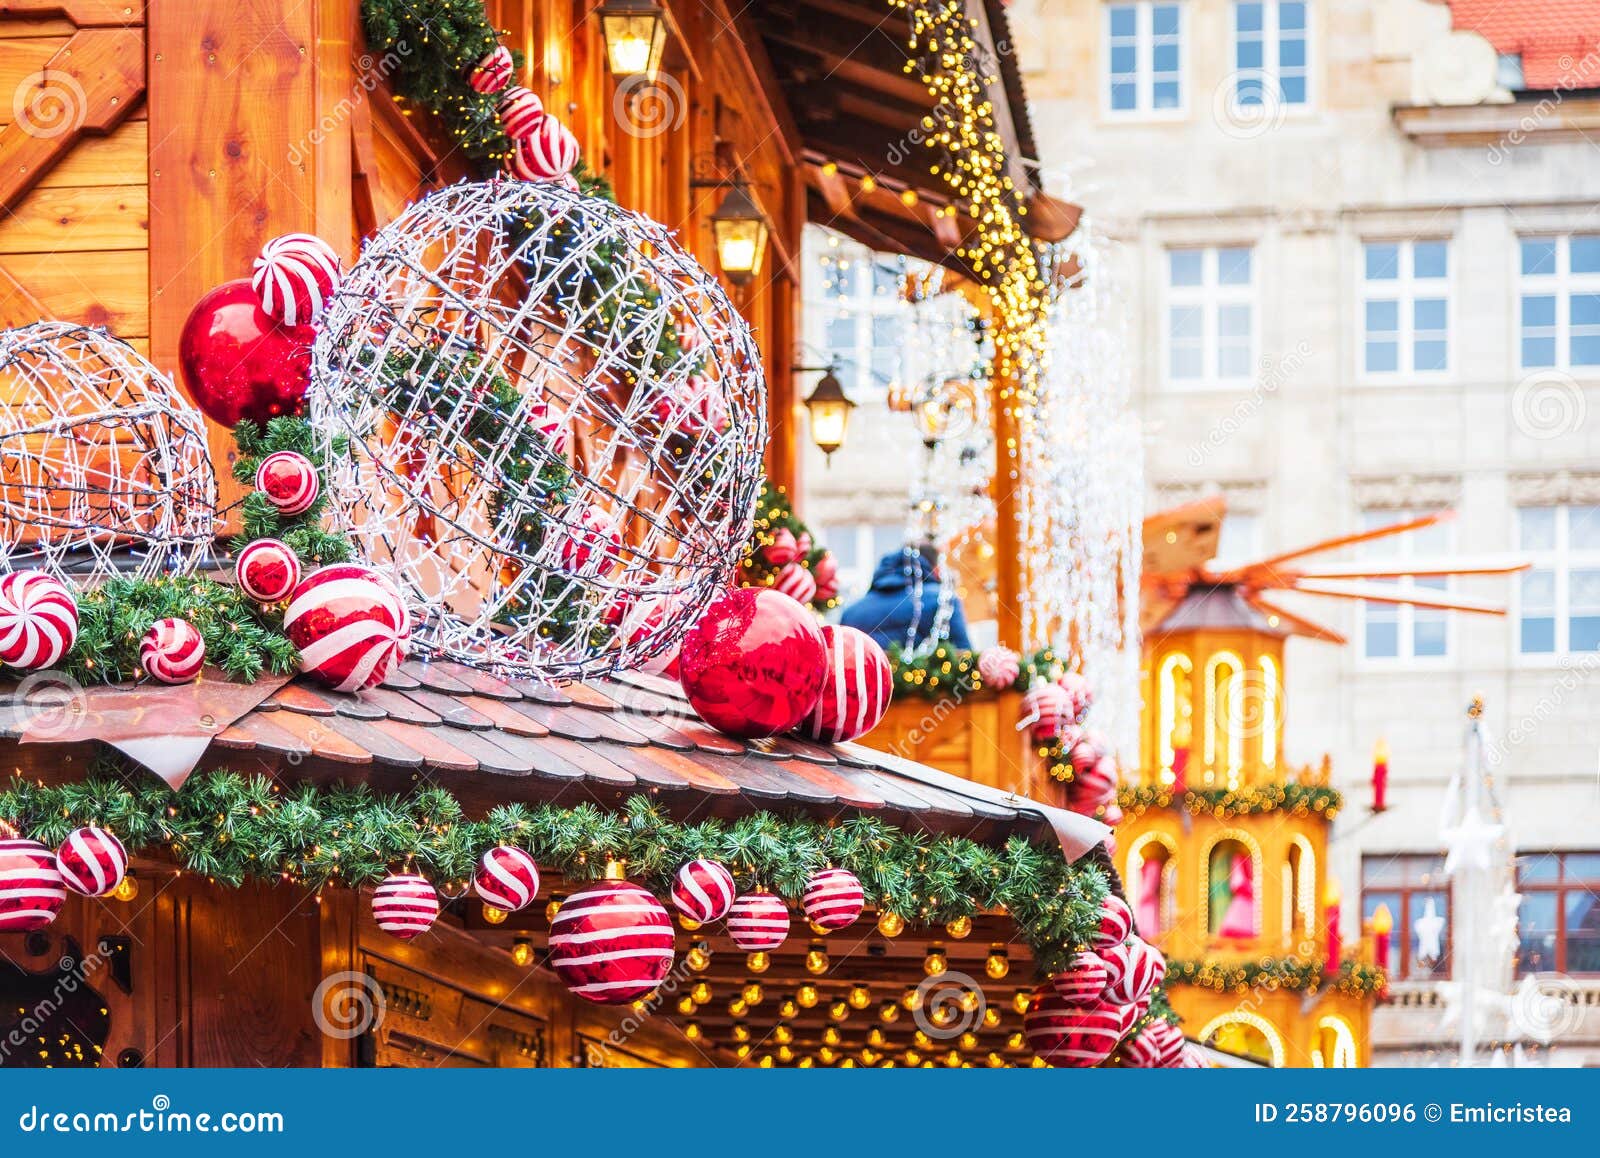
[[546, 423], [104, 467]]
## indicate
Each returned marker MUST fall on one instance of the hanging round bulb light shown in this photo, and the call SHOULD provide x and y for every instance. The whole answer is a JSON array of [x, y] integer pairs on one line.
[[692, 1031], [522, 952], [742, 1050], [807, 996], [859, 997], [127, 889], [826, 1055], [959, 928], [759, 961], [1019, 1001], [888, 1011], [838, 1011], [782, 1034], [891, 924], [741, 1031], [911, 1057], [875, 1036], [494, 916], [785, 1054], [911, 999], [997, 964], [737, 1007], [1016, 1041], [935, 962], [698, 957], [830, 1036], [969, 1000], [701, 992], [968, 1040], [752, 993], [552, 907], [686, 1005], [817, 959], [991, 1016], [788, 1008]]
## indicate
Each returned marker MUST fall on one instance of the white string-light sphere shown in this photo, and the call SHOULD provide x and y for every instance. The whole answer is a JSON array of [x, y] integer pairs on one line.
[[555, 422], [104, 468]]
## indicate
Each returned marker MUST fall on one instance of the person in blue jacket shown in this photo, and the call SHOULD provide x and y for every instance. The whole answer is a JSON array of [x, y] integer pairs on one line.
[[893, 611]]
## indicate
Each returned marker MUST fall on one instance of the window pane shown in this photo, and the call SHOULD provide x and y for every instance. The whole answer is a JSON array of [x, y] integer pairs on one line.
[[1538, 636], [1582, 866], [1124, 20], [1185, 266], [1233, 266], [1124, 96], [1164, 58], [1247, 17], [1418, 909], [1536, 933], [1250, 55], [1583, 528], [1585, 254], [1124, 60], [1383, 357], [1291, 16], [1165, 94], [1429, 314], [1538, 256], [887, 537], [841, 541], [1383, 317], [1292, 54], [1430, 634], [1583, 931], [1382, 638], [1431, 356], [1383, 262], [1233, 341], [1293, 89], [842, 334], [1164, 19], [1430, 259], [1539, 868], [1536, 528], [1585, 318], [1538, 330], [1186, 344]]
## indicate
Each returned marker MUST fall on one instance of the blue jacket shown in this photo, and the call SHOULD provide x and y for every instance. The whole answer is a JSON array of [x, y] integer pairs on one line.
[[887, 610]]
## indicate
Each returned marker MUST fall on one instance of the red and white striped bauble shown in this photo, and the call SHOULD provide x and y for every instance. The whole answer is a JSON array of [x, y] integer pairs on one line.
[[1084, 981], [1191, 1057], [289, 481], [520, 112], [38, 620], [1145, 969], [1116, 922], [1117, 959], [493, 72], [348, 626], [1159, 1045], [703, 891], [91, 861], [833, 899], [758, 922], [595, 539], [611, 943], [1085, 754], [855, 689], [797, 582], [548, 153], [1094, 786], [1047, 705], [294, 278], [172, 651], [1073, 1035], [507, 878], [31, 889], [267, 570], [405, 905]]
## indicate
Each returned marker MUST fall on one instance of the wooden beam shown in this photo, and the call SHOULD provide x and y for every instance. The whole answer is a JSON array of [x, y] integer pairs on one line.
[[92, 82], [82, 13]]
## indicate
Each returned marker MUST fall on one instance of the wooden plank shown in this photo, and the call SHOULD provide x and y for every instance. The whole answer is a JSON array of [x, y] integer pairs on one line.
[[21, 59], [86, 88], [18, 306], [101, 289], [121, 157], [74, 219], [21, 28], [80, 13]]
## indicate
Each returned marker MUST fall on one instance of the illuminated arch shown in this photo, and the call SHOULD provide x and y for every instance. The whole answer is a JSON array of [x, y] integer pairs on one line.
[[1133, 879], [1224, 739], [1169, 702], [1344, 1044], [1304, 898], [1255, 1021], [1271, 709], [1253, 847]]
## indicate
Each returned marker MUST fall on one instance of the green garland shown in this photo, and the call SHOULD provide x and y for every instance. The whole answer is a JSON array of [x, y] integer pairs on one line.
[[430, 47], [1226, 803], [1353, 978], [775, 513], [231, 827], [259, 519], [946, 669]]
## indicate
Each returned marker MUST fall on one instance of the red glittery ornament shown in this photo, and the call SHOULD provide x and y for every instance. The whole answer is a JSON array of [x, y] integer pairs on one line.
[[238, 363], [753, 664]]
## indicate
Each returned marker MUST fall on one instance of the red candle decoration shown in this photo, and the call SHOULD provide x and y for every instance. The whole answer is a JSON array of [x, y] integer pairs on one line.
[[1382, 926], [1330, 921], [1380, 776]]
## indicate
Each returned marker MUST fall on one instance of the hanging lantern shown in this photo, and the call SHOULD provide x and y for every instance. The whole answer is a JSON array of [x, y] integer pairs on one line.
[[830, 409], [741, 232], [635, 33]]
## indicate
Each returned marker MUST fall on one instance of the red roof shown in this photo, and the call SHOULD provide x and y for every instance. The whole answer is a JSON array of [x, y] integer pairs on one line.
[[1558, 40]]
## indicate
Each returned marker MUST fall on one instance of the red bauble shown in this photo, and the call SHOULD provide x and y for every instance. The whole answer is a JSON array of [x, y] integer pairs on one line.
[[1145, 969], [833, 899], [753, 664], [1070, 1035], [703, 891], [507, 878], [857, 689], [405, 905], [758, 922], [349, 626], [1084, 981], [31, 889], [91, 861], [1158, 1045], [238, 363], [1116, 922], [611, 943]]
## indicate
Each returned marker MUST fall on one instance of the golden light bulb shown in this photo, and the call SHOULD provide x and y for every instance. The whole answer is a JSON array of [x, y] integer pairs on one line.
[[959, 927], [686, 1004], [1016, 1041], [848, 1063], [698, 957], [891, 924], [127, 889], [741, 1031], [522, 951], [742, 1050], [968, 1040], [805, 1063], [752, 993], [765, 1062], [788, 1007], [806, 995], [785, 1054], [689, 923], [494, 916], [888, 1011], [737, 1007], [1038, 1063], [551, 908], [758, 962], [830, 1035], [935, 962], [826, 1055], [911, 999], [911, 1057], [995, 1061], [859, 997], [922, 1039], [816, 959], [1019, 1001], [782, 1034], [875, 1036], [692, 1031], [838, 1011], [701, 992], [991, 1016], [969, 1000], [997, 964]]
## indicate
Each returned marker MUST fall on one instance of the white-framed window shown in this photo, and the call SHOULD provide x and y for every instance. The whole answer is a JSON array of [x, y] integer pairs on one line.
[[1559, 311], [1558, 599], [1405, 308], [1210, 315], [1399, 632], [856, 548], [1144, 57], [1271, 53]]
